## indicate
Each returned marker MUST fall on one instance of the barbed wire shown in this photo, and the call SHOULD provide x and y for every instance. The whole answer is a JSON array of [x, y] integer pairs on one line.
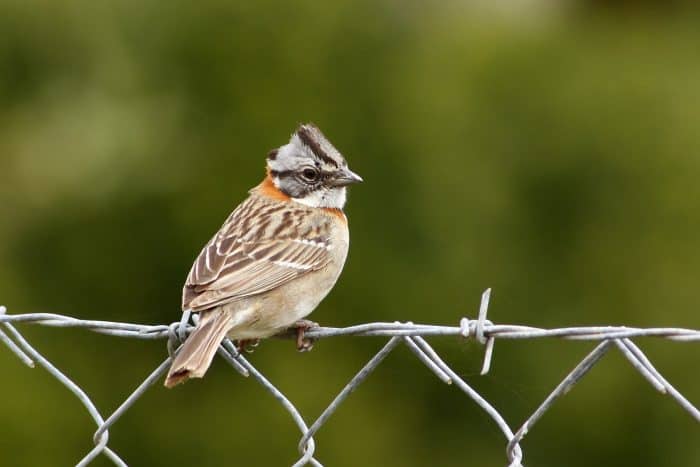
[[410, 334]]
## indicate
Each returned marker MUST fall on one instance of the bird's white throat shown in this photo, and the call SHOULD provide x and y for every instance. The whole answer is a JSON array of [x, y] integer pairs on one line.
[[325, 198]]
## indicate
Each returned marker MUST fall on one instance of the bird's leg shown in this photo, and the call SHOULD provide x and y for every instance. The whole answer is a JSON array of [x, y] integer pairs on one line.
[[304, 344], [247, 345]]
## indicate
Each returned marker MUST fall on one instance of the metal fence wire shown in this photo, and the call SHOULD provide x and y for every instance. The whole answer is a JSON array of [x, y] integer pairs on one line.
[[409, 334]]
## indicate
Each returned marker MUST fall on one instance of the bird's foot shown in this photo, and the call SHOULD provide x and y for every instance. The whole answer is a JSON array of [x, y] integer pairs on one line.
[[304, 344], [247, 345]]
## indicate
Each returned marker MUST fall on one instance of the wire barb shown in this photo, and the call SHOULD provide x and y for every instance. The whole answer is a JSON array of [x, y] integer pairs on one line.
[[410, 334]]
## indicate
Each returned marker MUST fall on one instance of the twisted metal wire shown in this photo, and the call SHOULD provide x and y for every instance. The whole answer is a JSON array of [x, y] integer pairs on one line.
[[410, 334]]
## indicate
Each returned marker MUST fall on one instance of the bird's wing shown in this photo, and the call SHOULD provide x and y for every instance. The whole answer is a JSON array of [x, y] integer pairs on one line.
[[260, 247]]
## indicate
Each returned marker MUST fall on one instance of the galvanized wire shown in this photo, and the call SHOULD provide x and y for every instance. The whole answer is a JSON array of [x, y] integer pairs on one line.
[[410, 334]]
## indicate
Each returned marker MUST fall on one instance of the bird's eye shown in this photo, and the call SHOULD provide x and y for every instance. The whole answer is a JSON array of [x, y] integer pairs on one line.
[[310, 174]]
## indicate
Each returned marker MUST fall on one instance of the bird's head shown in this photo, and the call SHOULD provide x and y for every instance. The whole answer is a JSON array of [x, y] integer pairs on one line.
[[310, 170]]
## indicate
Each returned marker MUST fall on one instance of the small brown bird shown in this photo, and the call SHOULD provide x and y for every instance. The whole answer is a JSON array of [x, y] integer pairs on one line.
[[275, 258]]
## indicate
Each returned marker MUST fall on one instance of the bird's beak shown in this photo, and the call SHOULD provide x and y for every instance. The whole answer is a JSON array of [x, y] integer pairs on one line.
[[346, 177]]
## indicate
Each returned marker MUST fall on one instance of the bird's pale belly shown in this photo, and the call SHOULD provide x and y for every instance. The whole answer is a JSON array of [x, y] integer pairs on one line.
[[264, 316]]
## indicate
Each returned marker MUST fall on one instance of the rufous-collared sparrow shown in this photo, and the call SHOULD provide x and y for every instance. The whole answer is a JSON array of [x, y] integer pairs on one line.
[[275, 258]]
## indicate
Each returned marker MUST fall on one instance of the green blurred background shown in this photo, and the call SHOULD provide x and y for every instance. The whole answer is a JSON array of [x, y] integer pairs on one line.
[[547, 149]]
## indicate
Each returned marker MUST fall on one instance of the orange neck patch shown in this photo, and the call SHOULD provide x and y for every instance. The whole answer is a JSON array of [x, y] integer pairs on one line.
[[337, 213], [268, 188]]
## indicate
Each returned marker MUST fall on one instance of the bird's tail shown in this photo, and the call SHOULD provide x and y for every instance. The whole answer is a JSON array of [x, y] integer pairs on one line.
[[196, 354]]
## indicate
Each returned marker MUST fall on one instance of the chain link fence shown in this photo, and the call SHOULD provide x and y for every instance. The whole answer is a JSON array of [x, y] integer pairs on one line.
[[409, 334]]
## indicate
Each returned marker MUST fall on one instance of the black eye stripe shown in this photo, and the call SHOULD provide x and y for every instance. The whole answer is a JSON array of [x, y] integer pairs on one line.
[[290, 173], [284, 174], [281, 173]]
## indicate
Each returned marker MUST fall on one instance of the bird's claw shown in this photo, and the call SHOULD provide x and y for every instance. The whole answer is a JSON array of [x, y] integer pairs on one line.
[[304, 344]]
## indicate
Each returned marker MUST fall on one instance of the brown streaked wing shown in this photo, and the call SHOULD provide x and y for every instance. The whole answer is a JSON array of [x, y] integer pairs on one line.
[[213, 257], [230, 268]]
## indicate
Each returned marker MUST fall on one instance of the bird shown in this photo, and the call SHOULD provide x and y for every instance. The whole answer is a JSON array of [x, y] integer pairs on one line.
[[275, 258]]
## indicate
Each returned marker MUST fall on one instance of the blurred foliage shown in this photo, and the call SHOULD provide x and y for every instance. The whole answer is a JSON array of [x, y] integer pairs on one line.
[[547, 150]]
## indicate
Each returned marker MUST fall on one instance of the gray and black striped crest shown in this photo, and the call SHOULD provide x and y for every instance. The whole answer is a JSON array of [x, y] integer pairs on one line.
[[306, 143]]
